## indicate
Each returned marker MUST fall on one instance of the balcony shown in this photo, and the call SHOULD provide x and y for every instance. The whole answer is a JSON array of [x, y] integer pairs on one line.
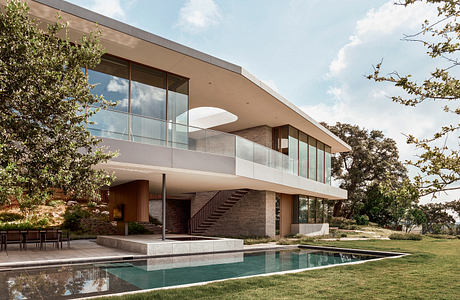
[[129, 127]]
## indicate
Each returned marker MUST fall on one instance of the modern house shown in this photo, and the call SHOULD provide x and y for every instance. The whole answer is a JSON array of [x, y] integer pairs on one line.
[[233, 157]]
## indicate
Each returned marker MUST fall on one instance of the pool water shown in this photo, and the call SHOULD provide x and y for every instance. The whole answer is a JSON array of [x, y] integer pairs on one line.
[[116, 277]]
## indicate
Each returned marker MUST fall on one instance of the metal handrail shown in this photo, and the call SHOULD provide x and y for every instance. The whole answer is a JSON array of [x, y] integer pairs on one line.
[[210, 207]]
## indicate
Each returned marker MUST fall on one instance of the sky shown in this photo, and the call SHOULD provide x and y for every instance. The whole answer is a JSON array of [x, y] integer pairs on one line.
[[315, 53]]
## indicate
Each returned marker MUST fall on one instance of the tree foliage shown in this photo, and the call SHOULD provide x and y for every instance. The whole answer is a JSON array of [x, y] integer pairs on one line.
[[388, 202], [437, 217], [439, 165], [45, 105], [372, 160]]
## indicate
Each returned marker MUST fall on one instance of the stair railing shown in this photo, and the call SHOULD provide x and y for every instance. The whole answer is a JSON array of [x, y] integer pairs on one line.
[[210, 207]]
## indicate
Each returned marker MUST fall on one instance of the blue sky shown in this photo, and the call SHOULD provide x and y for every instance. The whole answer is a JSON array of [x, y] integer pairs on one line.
[[313, 52]]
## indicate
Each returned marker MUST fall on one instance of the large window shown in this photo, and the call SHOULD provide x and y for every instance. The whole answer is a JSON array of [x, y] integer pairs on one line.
[[303, 152], [293, 150], [327, 164], [111, 80], [177, 111], [146, 98], [309, 210], [308, 157], [311, 158], [320, 162]]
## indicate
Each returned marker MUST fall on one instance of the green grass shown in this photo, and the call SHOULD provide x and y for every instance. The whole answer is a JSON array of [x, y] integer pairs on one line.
[[431, 272]]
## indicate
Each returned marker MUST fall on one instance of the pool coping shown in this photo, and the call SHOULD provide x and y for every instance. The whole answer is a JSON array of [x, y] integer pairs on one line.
[[387, 255], [17, 266]]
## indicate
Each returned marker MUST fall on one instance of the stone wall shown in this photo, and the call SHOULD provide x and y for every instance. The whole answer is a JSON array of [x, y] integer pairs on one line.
[[200, 200], [177, 214], [254, 215], [261, 135]]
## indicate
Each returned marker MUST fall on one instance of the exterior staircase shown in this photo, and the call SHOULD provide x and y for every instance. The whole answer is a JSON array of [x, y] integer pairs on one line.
[[218, 205]]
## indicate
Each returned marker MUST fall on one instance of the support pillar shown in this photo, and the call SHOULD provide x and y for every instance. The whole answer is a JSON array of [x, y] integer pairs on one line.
[[163, 206]]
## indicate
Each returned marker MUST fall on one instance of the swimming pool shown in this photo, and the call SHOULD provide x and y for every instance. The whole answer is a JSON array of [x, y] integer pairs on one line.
[[73, 281]]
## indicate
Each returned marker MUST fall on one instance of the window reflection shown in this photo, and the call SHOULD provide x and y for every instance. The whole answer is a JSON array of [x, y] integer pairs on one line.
[[110, 78], [178, 111], [311, 158], [303, 152], [320, 162]]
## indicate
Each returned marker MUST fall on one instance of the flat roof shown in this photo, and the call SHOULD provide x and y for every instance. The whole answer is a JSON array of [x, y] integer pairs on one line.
[[259, 112]]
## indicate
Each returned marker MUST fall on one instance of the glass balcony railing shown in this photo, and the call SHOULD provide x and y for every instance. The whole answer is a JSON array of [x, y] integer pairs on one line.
[[120, 125]]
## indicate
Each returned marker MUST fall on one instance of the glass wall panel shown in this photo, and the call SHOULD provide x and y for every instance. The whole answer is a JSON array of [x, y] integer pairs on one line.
[[303, 209], [148, 92], [303, 152], [311, 210], [327, 163], [319, 213], [148, 99], [177, 111], [293, 150], [320, 162], [111, 80], [311, 158]]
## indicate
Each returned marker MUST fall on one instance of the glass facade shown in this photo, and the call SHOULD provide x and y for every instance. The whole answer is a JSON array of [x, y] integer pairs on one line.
[[293, 150], [111, 80], [303, 154], [311, 158], [320, 162], [327, 164], [177, 111], [309, 210], [308, 157], [146, 98]]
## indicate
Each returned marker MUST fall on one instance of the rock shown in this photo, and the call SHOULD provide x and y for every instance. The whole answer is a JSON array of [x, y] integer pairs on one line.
[[72, 203]]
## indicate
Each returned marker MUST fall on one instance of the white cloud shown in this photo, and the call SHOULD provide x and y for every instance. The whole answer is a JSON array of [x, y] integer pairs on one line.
[[383, 21], [197, 15], [109, 8]]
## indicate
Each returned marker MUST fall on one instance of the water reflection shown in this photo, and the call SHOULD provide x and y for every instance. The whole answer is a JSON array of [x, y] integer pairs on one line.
[[107, 278]]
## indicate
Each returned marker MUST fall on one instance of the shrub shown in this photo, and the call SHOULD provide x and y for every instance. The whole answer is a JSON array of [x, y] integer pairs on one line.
[[91, 204], [54, 203], [441, 236], [10, 217], [342, 223], [135, 228], [343, 235], [405, 236], [73, 217], [43, 222], [362, 220]]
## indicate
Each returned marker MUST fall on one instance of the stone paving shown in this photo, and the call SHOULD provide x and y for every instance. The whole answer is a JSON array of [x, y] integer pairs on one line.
[[79, 250]]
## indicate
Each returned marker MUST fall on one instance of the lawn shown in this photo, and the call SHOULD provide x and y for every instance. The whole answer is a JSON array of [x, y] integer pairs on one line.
[[431, 272]]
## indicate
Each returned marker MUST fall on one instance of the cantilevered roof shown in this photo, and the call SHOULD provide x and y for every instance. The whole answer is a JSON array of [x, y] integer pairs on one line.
[[213, 81]]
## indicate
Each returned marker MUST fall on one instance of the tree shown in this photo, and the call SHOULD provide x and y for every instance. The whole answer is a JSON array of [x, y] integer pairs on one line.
[[388, 202], [372, 160], [45, 105], [439, 165], [414, 217], [437, 217]]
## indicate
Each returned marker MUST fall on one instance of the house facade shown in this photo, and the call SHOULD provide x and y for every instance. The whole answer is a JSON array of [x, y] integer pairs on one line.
[[230, 156]]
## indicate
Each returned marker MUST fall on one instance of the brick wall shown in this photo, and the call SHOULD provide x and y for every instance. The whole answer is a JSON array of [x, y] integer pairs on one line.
[[261, 135], [177, 214], [254, 215], [200, 200]]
